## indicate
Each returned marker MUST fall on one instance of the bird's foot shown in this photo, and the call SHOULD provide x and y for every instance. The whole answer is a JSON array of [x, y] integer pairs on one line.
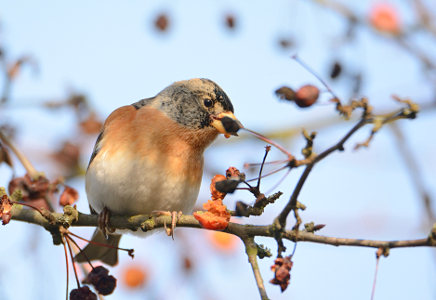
[[103, 222], [175, 216]]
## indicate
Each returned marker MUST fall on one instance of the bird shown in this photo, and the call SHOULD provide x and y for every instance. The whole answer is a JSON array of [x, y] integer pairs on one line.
[[149, 156]]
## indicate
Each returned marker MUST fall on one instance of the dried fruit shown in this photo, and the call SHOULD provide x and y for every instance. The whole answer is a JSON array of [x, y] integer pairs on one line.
[[227, 186], [384, 17], [103, 282], [134, 276], [281, 268], [216, 217], [306, 95], [161, 23], [68, 196], [82, 293]]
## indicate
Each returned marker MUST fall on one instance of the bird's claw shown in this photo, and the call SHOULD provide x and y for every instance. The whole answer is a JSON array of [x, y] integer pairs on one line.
[[103, 222], [175, 216]]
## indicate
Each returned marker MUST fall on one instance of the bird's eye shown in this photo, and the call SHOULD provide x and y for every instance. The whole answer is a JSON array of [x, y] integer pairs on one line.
[[208, 102]]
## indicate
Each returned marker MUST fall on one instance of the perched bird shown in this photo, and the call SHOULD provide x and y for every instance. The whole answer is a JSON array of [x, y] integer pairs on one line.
[[149, 155]]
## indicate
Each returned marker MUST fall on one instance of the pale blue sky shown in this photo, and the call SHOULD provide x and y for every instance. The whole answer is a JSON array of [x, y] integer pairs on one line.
[[111, 52]]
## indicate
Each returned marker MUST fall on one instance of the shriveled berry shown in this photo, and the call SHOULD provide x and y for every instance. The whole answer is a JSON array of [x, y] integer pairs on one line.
[[82, 293]]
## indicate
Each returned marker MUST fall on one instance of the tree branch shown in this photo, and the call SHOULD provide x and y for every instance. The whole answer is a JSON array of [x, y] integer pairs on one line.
[[146, 222]]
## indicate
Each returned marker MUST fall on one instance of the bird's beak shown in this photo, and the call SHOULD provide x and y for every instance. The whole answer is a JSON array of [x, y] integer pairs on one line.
[[226, 123]]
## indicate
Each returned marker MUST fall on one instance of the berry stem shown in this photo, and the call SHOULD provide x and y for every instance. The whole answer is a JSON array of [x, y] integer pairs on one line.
[[68, 273], [80, 249], [74, 265]]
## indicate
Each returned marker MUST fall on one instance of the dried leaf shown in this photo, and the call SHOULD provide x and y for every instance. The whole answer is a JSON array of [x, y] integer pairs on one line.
[[68, 157], [92, 125], [281, 268], [34, 191], [285, 93], [5, 209], [68, 196]]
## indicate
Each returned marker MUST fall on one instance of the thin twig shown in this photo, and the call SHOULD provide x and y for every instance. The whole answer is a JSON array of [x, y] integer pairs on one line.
[[33, 173], [251, 250], [306, 66], [293, 199], [267, 148], [399, 39], [375, 277]]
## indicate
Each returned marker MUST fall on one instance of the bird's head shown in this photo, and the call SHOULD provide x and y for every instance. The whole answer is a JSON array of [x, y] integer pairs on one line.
[[198, 104]]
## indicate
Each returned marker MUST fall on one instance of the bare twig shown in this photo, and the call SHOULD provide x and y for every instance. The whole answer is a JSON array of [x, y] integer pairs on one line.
[[30, 169], [293, 200], [306, 66], [378, 120], [251, 250], [33, 173], [399, 39]]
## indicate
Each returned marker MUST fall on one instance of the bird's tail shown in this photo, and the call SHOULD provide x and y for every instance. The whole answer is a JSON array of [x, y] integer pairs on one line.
[[96, 250]]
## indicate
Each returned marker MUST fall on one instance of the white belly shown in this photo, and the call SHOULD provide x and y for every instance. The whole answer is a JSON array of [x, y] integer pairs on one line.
[[129, 187]]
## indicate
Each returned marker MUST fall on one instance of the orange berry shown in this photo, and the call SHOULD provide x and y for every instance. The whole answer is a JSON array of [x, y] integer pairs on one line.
[[384, 17], [134, 276], [223, 241]]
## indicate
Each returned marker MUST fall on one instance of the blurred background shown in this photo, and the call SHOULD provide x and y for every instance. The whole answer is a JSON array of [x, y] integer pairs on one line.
[[66, 66]]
